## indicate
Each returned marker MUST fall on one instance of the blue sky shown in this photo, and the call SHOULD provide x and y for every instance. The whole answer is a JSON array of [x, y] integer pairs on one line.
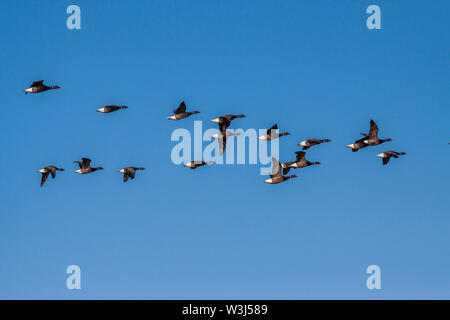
[[219, 232]]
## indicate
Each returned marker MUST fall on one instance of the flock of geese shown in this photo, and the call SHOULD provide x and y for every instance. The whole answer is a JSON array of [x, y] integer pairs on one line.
[[279, 171]]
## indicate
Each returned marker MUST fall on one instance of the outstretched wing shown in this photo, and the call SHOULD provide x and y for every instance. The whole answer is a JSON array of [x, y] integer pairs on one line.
[[86, 162], [181, 108], [125, 176], [274, 127], [276, 172], [52, 171], [386, 159], [373, 133], [300, 155], [131, 171], [37, 83], [44, 178], [80, 164], [222, 143]]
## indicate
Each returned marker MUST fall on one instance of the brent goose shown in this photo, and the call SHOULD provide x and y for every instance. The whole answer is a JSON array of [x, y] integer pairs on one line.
[[196, 164], [386, 155], [358, 144], [273, 134], [373, 135], [48, 170], [300, 162], [276, 176], [180, 112], [85, 166], [312, 142], [39, 86], [224, 122], [129, 172], [110, 108]]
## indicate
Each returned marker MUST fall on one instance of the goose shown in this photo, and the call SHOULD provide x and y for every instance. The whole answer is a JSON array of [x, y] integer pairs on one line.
[[224, 122], [386, 155], [110, 108], [85, 166], [180, 112], [300, 162], [196, 164], [372, 139], [312, 142], [129, 172], [359, 144], [39, 86], [223, 140], [273, 134], [48, 170], [276, 176]]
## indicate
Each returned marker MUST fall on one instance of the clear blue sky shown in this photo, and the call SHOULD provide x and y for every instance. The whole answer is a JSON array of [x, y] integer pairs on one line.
[[220, 232]]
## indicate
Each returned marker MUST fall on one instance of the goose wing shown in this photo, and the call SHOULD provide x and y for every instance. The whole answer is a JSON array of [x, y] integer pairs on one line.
[[181, 108], [300, 155], [274, 127], [131, 171], [222, 143], [86, 163], [37, 83], [373, 133], [276, 172], [44, 178], [52, 171]]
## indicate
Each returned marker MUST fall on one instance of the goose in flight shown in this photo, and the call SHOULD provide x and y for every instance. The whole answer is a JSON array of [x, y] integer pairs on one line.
[[48, 170], [358, 144], [110, 108], [372, 139], [272, 134], [276, 176], [386, 155], [312, 142], [224, 122], [39, 86], [196, 164], [180, 112], [85, 166], [300, 162], [129, 172]]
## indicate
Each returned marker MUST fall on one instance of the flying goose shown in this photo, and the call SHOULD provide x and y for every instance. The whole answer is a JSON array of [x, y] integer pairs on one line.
[[110, 108], [276, 176], [359, 144], [312, 142], [273, 134], [224, 122], [196, 164], [300, 162], [180, 112], [386, 155], [373, 135], [39, 86], [48, 170], [129, 172], [85, 166]]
